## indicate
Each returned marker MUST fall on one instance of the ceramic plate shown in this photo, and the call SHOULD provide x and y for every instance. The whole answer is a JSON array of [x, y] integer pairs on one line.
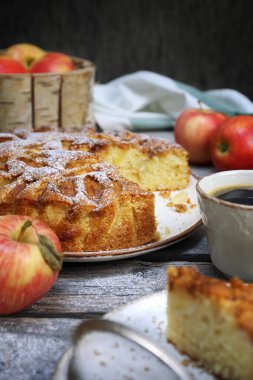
[[147, 315], [177, 215]]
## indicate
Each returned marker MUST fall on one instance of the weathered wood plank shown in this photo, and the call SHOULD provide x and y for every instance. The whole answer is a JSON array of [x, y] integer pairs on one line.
[[93, 289]]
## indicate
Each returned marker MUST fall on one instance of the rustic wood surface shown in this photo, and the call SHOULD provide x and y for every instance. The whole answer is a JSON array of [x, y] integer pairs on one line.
[[33, 341]]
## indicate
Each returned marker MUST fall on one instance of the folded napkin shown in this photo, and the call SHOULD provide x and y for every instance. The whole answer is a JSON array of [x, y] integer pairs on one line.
[[146, 100]]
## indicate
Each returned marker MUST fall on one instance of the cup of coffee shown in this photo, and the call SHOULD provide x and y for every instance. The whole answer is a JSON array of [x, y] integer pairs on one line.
[[226, 204]]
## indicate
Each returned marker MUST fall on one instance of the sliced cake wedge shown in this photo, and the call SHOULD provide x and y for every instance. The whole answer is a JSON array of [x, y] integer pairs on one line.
[[211, 321]]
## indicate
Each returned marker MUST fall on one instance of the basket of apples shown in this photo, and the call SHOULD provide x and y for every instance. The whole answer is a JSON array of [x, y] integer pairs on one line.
[[40, 89]]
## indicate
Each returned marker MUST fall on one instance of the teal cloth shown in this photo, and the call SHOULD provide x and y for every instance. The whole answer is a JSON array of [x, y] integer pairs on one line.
[[221, 105], [218, 105]]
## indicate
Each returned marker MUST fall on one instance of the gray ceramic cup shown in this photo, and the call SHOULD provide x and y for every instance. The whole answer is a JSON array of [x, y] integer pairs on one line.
[[229, 226]]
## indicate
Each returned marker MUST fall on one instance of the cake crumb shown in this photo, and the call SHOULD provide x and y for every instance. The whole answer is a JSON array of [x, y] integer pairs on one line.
[[164, 194], [180, 208], [186, 362], [181, 203], [167, 231]]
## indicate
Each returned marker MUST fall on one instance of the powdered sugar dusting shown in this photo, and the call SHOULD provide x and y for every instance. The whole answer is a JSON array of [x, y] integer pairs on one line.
[[55, 172], [93, 141], [63, 162]]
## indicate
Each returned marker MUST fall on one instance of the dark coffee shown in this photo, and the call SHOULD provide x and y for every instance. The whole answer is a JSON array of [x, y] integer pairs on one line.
[[242, 196]]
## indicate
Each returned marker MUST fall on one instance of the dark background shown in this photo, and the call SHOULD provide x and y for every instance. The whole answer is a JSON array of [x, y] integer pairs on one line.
[[205, 43]]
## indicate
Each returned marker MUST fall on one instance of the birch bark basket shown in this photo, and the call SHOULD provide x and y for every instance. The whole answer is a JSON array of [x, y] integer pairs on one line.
[[58, 101], [15, 102]]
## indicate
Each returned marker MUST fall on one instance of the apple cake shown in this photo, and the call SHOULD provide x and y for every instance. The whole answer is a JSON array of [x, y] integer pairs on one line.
[[93, 189], [87, 202], [211, 320], [154, 164]]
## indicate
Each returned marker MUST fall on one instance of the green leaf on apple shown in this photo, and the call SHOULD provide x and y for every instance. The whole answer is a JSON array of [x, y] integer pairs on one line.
[[50, 254]]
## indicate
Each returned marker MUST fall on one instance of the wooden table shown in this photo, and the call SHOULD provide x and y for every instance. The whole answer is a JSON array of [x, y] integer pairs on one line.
[[32, 342]]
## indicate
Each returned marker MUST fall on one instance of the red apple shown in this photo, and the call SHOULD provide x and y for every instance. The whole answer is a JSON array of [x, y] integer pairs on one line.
[[194, 130], [53, 63], [11, 66], [25, 53], [30, 259], [232, 144]]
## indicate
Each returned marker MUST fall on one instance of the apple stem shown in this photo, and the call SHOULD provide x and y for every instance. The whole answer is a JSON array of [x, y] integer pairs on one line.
[[223, 146], [200, 105], [26, 225]]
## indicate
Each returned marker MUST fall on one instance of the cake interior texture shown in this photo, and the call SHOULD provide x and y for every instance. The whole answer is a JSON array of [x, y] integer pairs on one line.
[[170, 171], [211, 321], [155, 164]]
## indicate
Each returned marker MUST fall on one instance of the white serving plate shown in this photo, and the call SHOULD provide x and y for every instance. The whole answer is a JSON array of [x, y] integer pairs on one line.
[[147, 315], [171, 224]]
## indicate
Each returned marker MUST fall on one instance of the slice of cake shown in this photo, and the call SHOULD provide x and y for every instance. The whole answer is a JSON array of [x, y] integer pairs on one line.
[[153, 163], [212, 321]]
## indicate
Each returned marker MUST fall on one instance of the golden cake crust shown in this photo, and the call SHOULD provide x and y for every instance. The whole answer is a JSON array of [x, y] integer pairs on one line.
[[98, 141], [235, 296], [155, 164], [86, 201], [151, 146]]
